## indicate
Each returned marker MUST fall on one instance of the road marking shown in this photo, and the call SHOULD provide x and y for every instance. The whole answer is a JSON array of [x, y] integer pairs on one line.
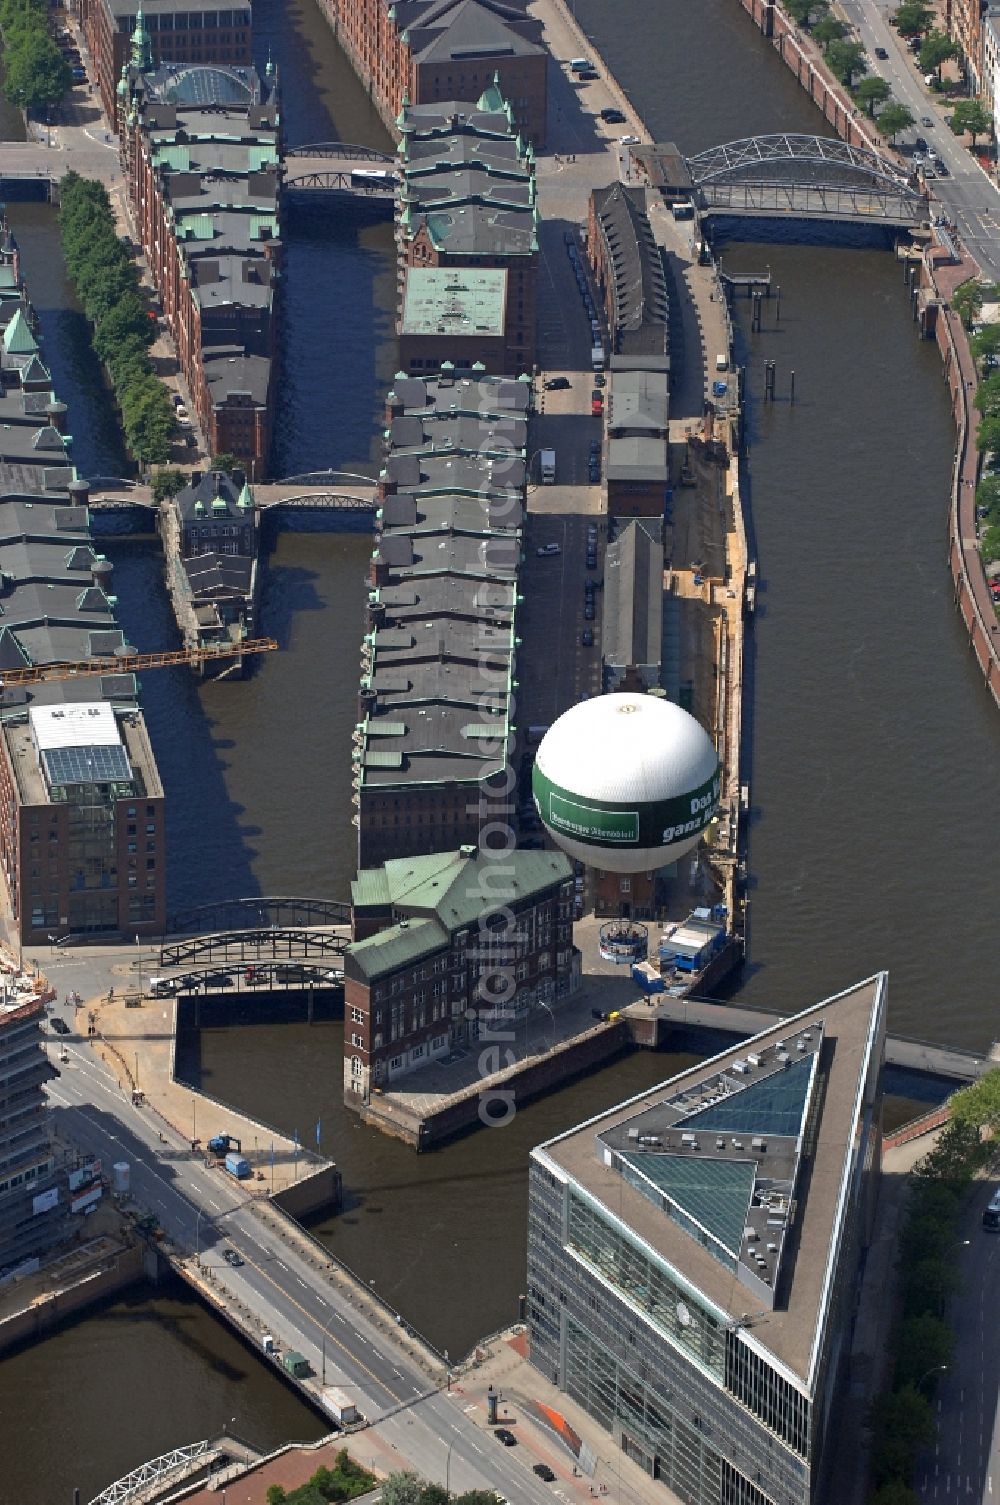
[[281, 1265]]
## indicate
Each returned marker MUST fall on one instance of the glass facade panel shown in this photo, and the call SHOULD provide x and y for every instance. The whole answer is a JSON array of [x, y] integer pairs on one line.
[[671, 1306], [716, 1193], [772, 1106]]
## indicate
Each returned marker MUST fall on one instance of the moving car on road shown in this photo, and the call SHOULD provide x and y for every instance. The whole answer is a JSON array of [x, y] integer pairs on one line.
[[544, 1472], [232, 1258], [60, 1026], [502, 1434]]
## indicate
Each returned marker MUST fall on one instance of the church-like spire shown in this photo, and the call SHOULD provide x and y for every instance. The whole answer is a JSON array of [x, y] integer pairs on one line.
[[142, 52]]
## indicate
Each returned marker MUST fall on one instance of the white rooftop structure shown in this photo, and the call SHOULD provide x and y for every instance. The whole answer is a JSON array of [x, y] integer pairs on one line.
[[77, 724]]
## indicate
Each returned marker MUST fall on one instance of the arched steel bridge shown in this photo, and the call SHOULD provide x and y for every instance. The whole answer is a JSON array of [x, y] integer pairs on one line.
[[804, 177], [261, 913], [291, 945], [343, 151]]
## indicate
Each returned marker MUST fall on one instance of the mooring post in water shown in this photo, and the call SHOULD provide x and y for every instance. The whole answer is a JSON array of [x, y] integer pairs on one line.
[[791, 389], [769, 381], [777, 305]]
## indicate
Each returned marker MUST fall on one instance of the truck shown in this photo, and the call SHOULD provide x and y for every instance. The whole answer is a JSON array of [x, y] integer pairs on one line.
[[238, 1166], [647, 978], [296, 1364], [597, 357], [221, 1143], [547, 466], [340, 1406]]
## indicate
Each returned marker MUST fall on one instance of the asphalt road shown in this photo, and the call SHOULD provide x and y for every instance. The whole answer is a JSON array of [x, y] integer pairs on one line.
[[203, 1212], [965, 1465], [967, 195]]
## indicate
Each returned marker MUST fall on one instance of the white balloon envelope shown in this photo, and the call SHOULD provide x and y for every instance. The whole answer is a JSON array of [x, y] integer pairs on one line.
[[626, 782]]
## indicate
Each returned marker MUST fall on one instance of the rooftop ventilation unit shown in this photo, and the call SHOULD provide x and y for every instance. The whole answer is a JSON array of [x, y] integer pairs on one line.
[[758, 1144], [740, 1067], [737, 1144], [720, 1143], [689, 1139], [753, 1058]]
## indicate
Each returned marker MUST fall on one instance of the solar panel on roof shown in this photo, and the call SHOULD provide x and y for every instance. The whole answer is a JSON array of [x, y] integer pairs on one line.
[[87, 765]]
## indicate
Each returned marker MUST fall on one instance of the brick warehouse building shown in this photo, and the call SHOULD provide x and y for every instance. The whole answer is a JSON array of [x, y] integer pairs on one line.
[[434, 739], [433, 50], [177, 34], [467, 203], [434, 962], [201, 156]]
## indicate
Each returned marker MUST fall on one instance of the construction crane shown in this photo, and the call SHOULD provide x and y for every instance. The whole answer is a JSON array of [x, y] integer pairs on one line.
[[133, 663]]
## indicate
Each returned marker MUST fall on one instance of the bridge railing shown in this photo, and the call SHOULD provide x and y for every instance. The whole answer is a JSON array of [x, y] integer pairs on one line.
[[273, 944]]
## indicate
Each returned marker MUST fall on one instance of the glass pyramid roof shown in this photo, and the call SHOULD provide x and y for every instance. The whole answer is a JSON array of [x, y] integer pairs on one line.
[[773, 1105], [716, 1193]]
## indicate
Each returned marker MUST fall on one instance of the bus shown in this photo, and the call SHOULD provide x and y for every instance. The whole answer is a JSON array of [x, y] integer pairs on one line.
[[991, 1217]]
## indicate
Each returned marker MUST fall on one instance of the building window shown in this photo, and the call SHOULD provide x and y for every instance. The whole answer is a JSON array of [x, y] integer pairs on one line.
[[358, 1042], [357, 1016], [357, 1066]]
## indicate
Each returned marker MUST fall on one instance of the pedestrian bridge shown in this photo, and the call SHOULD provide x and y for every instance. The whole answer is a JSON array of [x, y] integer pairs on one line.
[[340, 167], [804, 177]]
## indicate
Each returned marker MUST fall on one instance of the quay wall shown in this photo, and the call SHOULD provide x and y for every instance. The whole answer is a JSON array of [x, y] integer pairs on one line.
[[972, 597], [518, 1084], [46, 1312]]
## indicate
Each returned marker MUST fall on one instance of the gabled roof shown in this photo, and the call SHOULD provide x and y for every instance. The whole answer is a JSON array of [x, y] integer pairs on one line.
[[18, 338], [472, 29]]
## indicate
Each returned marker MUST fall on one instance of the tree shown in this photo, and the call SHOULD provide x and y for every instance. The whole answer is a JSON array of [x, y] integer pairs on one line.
[[913, 19], [802, 11], [893, 119], [988, 496], [275, 1495], [970, 116], [871, 92], [986, 344], [166, 484], [228, 463], [924, 1343], [927, 1284], [477, 1497], [902, 1423], [845, 60], [978, 1106], [987, 398], [401, 1489], [828, 30], [967, 301], [937, 49], [989, 544], [895, 1493], [37, 74], [434, 1494]]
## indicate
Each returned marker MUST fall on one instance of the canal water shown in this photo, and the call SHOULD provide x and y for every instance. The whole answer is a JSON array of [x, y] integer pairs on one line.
[[874, 745]]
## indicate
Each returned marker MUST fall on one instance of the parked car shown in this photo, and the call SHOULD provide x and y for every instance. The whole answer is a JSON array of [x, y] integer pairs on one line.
[[547, 549], [591, 560], [595, 449], [942, 169], [629, 140], [600, 380], [919, 144], [612, 116], [587, 637], [588, 610], [596, 406], [587, 75], [880, 52], [544, 1472], [926, 120], [594, 471], [60, 1026], [557, 384], [504, 1435], [232, 1258]]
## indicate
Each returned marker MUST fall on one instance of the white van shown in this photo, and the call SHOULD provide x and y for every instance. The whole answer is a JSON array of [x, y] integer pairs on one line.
[[722, 362]]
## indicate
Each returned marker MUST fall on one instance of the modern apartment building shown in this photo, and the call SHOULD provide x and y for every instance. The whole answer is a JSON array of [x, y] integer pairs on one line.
[[435, 737], [447, 949], [693, 1256], [434, 50], [201, 156], [177, 34], [31, 1210], [467, 231]]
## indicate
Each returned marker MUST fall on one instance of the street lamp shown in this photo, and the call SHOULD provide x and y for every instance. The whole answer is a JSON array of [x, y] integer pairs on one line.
[[322, 1340], [934, 1369], [447, 1467]]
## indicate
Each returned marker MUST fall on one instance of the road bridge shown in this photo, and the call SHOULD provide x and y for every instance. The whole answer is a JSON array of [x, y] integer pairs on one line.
[[796, 176]]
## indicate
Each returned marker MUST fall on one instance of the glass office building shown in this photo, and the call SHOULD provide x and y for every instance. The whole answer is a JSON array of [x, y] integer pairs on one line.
[[693, 1254]]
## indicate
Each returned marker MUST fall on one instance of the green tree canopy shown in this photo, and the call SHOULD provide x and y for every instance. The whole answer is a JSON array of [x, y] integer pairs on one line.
[[803, 11], [167, 483], [967, 300], [937, 49], [987, 398], [895, 1493], [894, 118], [978, 1106], [902, 1423], [924, 1343], [989, 544], [988, 496], [401, 1489], [986, 344], [913, 19], [872, 91], [228, 463], [846, 59], [36, 73], [970, 116], [828, 29], [927, 1284]]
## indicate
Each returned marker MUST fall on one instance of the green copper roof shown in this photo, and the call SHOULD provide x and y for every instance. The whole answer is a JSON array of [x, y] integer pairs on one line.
[[263, 227], [245, 501], [262, 156], [142, 52], [491, 97], [219, 504], [176, 157], [195, 227], [18, 338]]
